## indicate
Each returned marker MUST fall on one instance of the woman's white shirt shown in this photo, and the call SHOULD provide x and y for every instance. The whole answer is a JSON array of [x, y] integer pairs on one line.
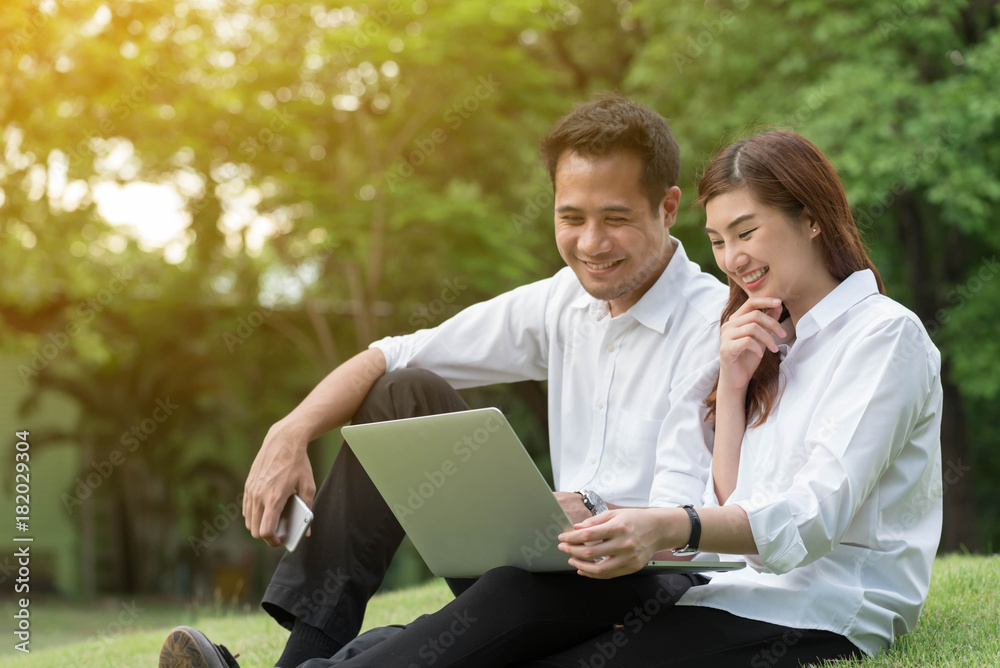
[[842, 484]]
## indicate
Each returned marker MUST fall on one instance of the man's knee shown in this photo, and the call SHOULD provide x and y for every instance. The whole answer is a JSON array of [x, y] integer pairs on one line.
[[399, 394], [406, 381], [507, 576]]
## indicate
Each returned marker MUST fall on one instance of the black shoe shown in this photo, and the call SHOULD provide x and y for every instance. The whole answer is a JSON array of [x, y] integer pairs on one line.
[[186, 647]]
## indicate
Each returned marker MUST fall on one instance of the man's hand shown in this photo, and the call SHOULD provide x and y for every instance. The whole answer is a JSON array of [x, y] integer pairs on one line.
[[572, 503], [280, 469]]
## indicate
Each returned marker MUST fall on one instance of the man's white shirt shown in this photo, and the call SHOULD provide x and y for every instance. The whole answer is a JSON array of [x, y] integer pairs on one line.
[[623, 392], [842, 484]]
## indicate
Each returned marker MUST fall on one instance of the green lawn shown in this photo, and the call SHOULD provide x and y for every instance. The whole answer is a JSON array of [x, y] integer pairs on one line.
[[960, 626]]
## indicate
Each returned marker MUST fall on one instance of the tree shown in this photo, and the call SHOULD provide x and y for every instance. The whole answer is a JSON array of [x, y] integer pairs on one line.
[[905, 115]]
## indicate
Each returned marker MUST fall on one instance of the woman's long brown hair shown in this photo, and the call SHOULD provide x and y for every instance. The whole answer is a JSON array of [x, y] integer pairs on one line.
[[782, 169]]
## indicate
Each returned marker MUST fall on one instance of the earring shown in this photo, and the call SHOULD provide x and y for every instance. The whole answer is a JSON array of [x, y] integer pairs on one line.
[[814, 229]]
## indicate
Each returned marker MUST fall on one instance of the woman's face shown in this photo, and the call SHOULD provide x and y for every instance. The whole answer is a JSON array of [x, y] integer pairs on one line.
[[766, 253]]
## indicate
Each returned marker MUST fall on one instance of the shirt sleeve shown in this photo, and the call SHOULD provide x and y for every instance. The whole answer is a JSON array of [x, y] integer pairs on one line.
[[501, 340], [684, 444], [873, 400]]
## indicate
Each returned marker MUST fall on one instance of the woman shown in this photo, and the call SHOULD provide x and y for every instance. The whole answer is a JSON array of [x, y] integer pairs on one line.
[[825, 474], [827, 413]]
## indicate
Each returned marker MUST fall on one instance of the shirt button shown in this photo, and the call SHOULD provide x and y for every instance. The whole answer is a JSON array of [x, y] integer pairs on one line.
[[592, 460], [611, 348], [600, 404]]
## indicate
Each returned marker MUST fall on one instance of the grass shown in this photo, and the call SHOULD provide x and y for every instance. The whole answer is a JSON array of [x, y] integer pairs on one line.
[[960, 626]]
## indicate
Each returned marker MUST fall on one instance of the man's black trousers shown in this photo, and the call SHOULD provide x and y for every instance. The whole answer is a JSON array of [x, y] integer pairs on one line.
[[329, 579]]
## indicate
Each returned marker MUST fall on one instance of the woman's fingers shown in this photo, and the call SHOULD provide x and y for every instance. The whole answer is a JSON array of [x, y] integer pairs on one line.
[[587, 535], [734, 352], [740, 325], [758, 304], [755, 331], [610, 567]]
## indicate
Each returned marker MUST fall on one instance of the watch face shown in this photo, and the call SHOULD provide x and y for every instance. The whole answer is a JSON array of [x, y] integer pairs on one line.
[[595, 504]]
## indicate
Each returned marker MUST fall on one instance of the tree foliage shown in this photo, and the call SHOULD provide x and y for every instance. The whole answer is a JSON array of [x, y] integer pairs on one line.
[[353, 171]]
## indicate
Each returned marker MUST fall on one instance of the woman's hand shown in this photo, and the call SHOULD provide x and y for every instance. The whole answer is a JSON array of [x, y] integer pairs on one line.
[[745, 336], [625, 540]]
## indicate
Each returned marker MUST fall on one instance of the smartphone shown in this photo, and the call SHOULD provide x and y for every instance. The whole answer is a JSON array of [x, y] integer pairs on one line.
[[294, 521]]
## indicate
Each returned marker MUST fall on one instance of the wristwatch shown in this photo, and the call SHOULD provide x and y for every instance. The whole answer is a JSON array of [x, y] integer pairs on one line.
[[593, 501], [695, 539]]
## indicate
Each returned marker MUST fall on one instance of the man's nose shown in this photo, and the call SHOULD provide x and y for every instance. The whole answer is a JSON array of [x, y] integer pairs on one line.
[[594, 239]]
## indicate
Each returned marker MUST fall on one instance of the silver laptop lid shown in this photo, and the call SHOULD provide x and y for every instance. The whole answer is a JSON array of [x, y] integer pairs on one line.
[[465, 491]]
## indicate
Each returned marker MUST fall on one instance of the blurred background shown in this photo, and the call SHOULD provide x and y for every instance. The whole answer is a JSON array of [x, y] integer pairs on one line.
[[206, 205]]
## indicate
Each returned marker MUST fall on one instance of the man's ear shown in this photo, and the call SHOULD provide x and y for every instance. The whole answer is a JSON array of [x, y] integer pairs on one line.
[[669, 206]]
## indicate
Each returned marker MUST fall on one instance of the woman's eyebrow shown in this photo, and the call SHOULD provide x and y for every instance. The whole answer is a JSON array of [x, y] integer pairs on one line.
[[737, 221]]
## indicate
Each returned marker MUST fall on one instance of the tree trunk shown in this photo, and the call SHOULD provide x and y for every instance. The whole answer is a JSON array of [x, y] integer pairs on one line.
[[959, 500], [960, 508], [88, 557]]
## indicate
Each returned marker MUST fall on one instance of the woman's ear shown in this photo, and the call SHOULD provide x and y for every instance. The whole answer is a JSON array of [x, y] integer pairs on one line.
[[812, 227]]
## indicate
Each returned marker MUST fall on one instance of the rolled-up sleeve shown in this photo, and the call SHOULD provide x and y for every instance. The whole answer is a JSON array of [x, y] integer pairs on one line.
[[868, 409], [502, 340]]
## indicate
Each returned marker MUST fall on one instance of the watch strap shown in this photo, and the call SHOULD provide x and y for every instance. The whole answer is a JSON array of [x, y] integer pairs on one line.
[[695, 539]]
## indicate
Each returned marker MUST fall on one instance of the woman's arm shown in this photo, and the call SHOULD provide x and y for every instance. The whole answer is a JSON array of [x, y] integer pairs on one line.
[[730, 425], [627, 539], [744, 338]]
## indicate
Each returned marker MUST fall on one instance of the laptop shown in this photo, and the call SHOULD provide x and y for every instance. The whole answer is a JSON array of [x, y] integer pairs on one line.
[[469, 496]]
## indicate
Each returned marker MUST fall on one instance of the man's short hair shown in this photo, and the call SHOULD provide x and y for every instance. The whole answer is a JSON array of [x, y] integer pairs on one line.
[[614, 123]]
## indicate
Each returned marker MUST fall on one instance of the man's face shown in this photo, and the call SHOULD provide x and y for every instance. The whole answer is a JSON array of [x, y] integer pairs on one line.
[[605, 230]]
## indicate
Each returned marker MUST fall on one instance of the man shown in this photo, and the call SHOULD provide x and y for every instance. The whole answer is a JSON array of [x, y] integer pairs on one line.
[[620, 334]]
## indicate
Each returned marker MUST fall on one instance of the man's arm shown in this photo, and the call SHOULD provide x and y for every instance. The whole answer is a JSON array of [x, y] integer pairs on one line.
[[281, 467]]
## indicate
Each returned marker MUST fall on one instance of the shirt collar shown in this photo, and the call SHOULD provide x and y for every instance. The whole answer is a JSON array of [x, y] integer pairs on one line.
[[654, 308], [853, 289]]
